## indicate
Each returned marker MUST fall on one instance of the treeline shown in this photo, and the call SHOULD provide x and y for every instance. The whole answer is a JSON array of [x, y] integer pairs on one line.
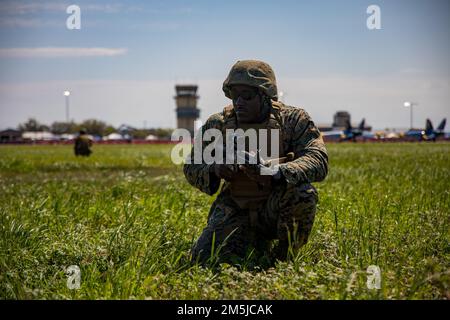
[[93, 127]]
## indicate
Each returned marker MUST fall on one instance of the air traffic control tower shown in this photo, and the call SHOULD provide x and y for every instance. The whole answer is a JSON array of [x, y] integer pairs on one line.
[[187, 112]]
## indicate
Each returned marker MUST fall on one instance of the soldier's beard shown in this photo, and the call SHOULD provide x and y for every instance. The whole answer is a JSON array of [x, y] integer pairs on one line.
[[264, 110], [266, 104]]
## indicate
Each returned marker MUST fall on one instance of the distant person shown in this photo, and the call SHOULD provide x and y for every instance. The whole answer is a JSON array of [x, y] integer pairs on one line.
[[83, 144], [252, 209]]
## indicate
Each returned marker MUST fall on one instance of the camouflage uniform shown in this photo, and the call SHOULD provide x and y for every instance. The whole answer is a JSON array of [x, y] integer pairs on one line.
[[289, 209], [82, 145]]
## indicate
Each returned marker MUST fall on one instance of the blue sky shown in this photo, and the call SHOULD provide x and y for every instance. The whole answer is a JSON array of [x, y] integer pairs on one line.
[[324, 57]]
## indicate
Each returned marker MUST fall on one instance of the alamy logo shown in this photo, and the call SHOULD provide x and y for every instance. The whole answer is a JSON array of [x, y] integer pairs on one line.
[[374, 20], [235, 147], [73, 277], [73, 22], [373, 277]]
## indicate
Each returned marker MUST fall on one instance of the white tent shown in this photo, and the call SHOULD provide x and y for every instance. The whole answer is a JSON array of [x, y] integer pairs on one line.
[[113, 136], [39, 135], [68, 136], [151, 137]]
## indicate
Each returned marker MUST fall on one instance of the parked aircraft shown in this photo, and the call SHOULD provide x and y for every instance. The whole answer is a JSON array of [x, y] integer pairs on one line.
[[429, 134]]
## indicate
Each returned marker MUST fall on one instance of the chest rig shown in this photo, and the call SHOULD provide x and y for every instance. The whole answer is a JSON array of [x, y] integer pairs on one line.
[[247, 193]]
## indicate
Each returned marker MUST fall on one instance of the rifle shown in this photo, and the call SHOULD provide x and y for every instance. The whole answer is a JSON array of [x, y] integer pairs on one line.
[[253, 160], [264, 167]]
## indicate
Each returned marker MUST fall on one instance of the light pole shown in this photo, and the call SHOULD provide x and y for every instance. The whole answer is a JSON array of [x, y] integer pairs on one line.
[[410, 105], [67, 94]]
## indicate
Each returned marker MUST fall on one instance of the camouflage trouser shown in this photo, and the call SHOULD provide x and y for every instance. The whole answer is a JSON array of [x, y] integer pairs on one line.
[[287, 215]]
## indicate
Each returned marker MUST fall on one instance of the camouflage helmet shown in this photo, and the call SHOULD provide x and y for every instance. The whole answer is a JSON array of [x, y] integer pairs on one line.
[[252, 73]]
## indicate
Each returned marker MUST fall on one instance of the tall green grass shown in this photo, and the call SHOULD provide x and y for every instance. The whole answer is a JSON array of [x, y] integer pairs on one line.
[[127, 217]]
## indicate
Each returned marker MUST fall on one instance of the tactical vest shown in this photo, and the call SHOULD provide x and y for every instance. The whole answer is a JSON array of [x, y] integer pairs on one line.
[[249, 194]]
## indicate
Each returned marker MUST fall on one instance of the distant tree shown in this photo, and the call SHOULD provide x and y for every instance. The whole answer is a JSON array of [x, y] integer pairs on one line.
[[163, 133], [32, 125], [140, 133], [97, 127], [92, 126], [109, 130], [64, 127]]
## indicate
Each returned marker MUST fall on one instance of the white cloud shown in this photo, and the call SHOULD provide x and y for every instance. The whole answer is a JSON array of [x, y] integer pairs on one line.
[[17, 22], [19, 8], [60, 52], [106, 8], [156, 26], [22, 8]]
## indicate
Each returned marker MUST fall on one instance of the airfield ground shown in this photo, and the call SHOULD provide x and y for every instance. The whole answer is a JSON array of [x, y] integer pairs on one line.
[[127, 217]]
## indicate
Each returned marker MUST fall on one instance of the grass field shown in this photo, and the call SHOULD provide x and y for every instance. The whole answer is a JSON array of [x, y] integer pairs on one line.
[[127, 217]]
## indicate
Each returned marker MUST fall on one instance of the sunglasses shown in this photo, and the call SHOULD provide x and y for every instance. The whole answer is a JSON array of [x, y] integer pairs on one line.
[[247, 94]]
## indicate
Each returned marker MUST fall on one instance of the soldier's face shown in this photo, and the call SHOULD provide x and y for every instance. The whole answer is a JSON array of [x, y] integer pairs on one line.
[[246, 103]]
